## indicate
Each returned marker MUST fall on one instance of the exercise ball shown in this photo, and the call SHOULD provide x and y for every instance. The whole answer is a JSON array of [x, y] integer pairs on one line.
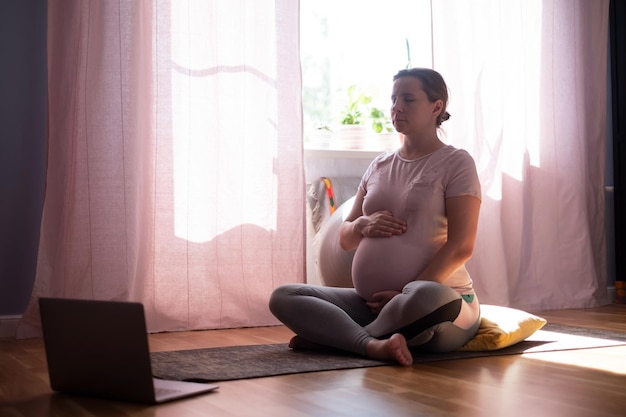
[[334, 264]]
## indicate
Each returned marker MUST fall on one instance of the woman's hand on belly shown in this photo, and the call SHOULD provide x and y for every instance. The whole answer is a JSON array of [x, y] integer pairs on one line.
[[380, 299], [381, 224]]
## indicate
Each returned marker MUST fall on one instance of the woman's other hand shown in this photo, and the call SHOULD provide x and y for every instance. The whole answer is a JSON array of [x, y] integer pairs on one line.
[[380, 299]]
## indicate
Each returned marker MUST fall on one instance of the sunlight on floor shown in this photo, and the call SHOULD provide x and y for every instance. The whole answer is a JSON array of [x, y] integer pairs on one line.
[[607, 359]]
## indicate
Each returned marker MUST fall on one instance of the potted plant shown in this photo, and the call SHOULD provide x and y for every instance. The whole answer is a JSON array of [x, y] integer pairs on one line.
[[388, 138], [355, 111], [381, 123], [353, 131], [320, 137]]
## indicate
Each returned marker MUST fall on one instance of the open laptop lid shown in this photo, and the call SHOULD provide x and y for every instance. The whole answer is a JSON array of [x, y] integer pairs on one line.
[[100, 348]]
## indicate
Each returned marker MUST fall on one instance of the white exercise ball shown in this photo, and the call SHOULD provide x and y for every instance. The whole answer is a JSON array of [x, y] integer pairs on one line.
[[334, 263]]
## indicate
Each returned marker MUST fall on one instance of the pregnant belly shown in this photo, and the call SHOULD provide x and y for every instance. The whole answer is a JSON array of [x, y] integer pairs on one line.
[[382, 264]]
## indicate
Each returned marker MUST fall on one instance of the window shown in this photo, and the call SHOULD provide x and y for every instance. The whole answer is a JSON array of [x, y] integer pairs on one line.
[[356, 47]]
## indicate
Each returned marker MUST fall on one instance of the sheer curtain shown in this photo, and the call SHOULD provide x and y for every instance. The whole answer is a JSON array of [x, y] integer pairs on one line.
[[528, 100], [175, 159]]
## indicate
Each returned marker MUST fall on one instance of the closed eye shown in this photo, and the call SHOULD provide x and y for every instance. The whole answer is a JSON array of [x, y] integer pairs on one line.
[[404, 98]]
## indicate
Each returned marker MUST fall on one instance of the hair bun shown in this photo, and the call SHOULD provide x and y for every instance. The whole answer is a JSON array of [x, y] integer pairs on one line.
[[442, 118]]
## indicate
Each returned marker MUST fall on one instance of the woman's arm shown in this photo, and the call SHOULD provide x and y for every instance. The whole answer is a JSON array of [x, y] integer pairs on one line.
[[356, 225], [462, 213]]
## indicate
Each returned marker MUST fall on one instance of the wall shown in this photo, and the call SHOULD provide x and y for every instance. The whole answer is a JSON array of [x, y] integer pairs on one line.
[[23, 101]]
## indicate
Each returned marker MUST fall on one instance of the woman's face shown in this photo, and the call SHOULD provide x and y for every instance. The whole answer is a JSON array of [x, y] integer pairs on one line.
[[411, 110]]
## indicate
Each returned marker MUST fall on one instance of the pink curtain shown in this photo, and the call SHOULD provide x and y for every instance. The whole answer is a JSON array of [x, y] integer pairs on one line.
[[175, 159], [528, 83]]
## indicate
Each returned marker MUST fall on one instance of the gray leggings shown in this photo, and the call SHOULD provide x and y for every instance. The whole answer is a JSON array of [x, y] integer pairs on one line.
[[339, 317]]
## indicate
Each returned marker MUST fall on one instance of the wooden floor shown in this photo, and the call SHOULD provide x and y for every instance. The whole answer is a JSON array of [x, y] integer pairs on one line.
[[582, 383]]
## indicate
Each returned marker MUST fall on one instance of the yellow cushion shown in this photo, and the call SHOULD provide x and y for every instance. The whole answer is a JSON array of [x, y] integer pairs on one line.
[[501, 327]]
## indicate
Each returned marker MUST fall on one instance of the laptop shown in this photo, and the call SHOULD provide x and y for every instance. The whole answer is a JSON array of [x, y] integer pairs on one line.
[[100, 349]]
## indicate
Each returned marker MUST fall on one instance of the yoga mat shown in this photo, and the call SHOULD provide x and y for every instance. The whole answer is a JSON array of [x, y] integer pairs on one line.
[[253, 361]]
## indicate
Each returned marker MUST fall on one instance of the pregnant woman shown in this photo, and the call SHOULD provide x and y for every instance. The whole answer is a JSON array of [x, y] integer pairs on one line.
[[413, 225]]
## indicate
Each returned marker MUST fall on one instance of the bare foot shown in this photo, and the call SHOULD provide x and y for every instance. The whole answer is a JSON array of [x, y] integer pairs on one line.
[[394, 348]]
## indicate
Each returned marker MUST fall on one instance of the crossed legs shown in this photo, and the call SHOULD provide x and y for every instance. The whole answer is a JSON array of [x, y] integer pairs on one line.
[[339, 318]]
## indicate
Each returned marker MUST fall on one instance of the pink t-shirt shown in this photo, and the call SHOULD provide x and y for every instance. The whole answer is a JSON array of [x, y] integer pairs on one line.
[[415, 191]]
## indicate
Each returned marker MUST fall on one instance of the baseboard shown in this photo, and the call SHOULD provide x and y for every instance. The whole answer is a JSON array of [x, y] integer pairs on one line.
[[8, 325]]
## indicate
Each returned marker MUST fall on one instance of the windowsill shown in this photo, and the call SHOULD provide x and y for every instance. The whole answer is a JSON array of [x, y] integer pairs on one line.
[[332, 162], [331, 153], [350, 145]]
